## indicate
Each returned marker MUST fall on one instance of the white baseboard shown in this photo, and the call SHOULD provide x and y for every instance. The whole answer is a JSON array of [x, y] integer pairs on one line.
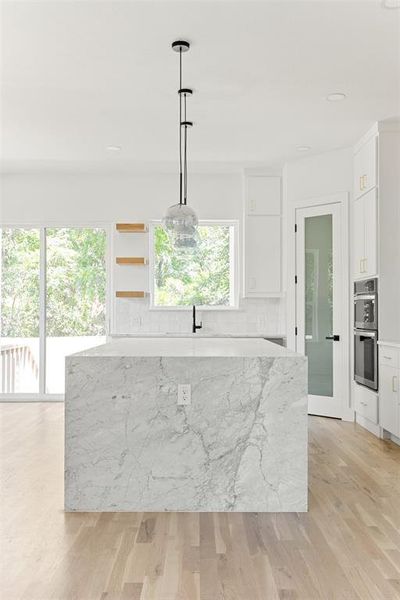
[[348, 415], [394, 439], [371, 427]]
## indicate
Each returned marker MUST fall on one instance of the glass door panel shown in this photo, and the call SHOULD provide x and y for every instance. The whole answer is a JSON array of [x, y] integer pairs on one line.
[[75, 297], [19, 310], [319, 303]]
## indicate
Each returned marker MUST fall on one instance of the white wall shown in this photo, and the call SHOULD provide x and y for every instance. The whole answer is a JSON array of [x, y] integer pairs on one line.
[[97, 198], [109, 198]]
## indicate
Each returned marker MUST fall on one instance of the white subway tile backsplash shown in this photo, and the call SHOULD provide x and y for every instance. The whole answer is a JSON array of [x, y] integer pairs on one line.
[[255, 316]]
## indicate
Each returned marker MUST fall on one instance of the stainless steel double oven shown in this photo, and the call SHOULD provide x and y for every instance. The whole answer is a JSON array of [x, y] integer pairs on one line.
[[366, 333]]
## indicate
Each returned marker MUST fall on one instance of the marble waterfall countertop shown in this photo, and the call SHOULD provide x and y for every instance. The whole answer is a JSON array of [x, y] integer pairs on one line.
[[238, 443]]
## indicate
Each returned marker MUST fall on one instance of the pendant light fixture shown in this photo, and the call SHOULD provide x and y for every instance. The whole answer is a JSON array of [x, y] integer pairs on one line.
[[181, 220]]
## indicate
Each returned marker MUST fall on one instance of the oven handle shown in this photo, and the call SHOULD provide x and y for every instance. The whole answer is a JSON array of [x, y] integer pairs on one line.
[[365, 297], [365, 334]]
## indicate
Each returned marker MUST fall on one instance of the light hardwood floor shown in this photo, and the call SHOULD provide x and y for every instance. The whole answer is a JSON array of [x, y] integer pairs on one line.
[[346, 547]]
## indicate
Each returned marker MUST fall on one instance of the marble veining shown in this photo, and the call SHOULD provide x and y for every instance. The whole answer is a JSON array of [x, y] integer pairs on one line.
[[241, 445]]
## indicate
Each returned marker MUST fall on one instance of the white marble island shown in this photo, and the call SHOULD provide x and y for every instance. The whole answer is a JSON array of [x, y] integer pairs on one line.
[[240, 445]]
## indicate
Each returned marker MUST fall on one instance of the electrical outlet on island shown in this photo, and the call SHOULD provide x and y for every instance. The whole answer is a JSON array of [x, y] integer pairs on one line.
[[184, 394]]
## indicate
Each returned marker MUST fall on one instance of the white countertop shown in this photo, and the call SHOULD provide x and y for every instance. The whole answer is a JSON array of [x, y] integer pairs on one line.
[[392, 344], [191, 346], [271, 336]]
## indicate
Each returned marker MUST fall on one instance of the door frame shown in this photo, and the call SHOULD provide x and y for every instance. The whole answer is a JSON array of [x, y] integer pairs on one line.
[[42, 226], [326, 406], [343, 199]]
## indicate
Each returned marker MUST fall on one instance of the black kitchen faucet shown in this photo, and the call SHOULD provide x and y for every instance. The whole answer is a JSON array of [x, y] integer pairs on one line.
[[195, 327]]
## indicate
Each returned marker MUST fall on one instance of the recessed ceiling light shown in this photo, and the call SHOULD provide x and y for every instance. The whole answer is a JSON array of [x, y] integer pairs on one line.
[[114, 148], [336, 97], [303, 148]]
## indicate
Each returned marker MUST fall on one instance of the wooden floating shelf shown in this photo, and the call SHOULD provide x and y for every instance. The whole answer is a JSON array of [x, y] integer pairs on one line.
[[131, 227], [130, 294], [131, 260]]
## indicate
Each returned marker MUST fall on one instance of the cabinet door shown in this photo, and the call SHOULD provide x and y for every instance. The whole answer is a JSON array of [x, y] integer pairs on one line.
[[389, 399], [262, 255], [365, 167], [358, 173], [263, 195], [370, 265], [370, 164], [358, 238], [366, 403]]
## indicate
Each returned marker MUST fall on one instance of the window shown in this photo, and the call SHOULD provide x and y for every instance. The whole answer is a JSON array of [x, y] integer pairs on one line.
[[52, 303], [205, 276]]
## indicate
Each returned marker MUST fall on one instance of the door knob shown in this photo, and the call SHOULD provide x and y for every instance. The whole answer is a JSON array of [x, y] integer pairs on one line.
[[334, 338]]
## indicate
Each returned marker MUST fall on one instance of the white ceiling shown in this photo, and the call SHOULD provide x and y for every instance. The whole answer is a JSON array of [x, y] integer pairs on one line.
[[78, 76]]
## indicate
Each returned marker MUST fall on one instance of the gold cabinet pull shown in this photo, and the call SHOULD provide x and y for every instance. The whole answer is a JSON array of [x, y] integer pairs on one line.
[[363, 182], [363, 265]]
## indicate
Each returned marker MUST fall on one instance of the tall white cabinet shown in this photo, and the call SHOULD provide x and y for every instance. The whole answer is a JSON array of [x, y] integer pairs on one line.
[[365, 215], [375, 236], [365, 164], [365, 208], [262, 236]]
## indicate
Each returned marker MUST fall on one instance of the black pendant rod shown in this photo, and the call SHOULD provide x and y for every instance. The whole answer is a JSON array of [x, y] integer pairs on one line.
[[182, 46], [185, 155], [180, 129]]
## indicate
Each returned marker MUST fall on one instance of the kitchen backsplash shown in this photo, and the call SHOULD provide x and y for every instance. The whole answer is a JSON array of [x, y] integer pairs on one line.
[[264, 316]]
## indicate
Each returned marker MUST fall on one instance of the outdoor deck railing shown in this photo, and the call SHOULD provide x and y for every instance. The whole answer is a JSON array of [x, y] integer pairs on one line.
[[15, 359]]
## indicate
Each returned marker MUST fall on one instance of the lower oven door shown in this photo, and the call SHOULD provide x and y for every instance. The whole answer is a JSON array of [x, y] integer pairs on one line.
[[366, 358]]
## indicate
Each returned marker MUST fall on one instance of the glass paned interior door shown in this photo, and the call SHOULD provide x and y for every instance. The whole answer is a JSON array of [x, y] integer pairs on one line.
[[318, 241], [20, 310], [75, 297]]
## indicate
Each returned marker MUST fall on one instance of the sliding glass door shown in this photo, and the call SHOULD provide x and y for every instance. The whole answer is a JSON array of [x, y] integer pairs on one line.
[[20, 310], [75, 297], [52, 302]]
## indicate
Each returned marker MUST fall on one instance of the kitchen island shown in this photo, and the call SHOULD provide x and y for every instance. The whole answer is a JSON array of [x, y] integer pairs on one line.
[[235, 441]]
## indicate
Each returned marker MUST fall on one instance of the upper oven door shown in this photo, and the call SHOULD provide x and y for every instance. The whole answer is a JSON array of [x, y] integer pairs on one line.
[[366, 358], [366, 311]]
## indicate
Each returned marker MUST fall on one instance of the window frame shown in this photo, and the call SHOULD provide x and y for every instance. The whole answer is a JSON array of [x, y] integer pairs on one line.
[[42, 226], [234, 271]]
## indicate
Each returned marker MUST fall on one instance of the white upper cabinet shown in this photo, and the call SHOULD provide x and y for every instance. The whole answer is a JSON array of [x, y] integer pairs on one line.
[[358, 240], [365, 167], [365, 208], [365, 227], [262, 237], [263, 195], [263, 256], [370, 233]]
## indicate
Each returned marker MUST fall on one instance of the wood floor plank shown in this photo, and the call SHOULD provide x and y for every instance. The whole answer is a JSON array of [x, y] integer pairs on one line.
[[347, 547]]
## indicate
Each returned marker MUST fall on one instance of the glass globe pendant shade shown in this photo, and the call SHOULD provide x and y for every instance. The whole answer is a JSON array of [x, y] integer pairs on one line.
[[186, 241], [180, 218], [181, 221]]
